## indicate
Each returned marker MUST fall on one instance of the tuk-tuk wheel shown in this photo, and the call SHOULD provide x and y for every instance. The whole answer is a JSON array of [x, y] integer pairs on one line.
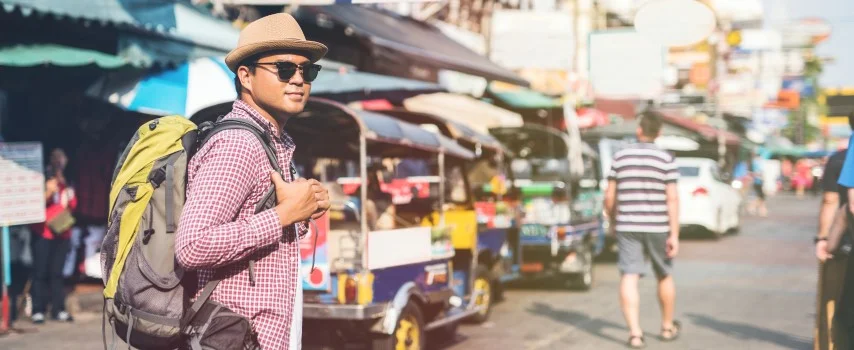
[[482, 287], [408, 333]]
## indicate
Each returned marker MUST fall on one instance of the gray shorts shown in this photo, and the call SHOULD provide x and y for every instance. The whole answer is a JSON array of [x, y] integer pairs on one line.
[[635, 248]]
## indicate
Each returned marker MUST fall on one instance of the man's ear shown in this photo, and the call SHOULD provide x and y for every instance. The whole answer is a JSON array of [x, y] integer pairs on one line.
[[245, 77]]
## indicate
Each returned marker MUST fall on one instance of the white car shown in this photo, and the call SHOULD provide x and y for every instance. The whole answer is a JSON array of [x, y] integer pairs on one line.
[[705, 201]]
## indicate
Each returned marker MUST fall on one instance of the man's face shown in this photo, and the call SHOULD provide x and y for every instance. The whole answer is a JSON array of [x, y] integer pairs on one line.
[[276, 96]]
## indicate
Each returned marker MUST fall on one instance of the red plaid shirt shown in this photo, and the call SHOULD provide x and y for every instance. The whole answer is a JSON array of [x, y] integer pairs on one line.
[[219, 231]]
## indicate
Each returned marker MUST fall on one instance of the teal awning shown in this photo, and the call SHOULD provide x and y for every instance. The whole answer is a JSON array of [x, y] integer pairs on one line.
[[525, 99], [57, 55], [149, 31]]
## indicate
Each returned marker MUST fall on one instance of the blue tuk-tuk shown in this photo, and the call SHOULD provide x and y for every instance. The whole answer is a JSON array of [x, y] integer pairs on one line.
[[381, 284]]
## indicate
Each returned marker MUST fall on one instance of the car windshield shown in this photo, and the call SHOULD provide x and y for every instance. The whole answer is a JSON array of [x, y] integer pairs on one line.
[[689, 171]]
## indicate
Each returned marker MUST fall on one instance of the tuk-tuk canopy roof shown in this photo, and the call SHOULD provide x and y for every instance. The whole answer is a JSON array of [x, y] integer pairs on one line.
[[534, 141], [453, 129], [330, 129], [466, 110]]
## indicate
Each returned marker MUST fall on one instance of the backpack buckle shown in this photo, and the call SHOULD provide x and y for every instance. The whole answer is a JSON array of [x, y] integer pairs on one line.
[[146, 235], [157, 177]]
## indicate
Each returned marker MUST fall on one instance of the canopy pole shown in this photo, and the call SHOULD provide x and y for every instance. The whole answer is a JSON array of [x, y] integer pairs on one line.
[[361, 248], [441, 189], [500, 165], [6, 281]]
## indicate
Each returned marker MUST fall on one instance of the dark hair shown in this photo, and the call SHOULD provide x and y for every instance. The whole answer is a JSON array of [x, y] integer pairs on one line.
[[249, 62], [851, 119], [650, 123]]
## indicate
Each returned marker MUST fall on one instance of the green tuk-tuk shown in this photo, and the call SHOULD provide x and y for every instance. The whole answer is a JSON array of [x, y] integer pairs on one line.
[[562, 228]]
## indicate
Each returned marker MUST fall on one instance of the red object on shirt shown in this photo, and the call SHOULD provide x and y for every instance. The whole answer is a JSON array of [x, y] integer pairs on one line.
[[220, 231], [52, 208]]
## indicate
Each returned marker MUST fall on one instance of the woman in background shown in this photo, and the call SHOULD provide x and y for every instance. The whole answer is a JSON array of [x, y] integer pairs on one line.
[[52, 241]]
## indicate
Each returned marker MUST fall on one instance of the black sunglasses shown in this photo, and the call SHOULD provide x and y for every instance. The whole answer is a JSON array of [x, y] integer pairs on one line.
[[286, 70]]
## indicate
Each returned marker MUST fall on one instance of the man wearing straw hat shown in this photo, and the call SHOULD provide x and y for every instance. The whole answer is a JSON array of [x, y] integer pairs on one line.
[[219, 231]]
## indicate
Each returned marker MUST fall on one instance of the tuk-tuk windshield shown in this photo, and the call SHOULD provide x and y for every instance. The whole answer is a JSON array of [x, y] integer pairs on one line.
[[534, 142], [541, 153]]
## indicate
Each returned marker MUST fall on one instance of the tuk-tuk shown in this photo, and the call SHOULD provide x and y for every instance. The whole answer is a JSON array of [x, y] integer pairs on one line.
[[496, 254], [562, 229], [380, 282]]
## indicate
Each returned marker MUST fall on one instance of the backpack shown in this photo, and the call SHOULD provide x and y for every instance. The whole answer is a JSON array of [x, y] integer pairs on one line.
[[147, 294]]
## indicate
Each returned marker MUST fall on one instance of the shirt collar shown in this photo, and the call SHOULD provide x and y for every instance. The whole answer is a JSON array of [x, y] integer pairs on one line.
[[256, 116]]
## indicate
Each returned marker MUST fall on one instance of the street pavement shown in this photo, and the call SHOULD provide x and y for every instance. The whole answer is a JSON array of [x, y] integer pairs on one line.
[[751, 290]]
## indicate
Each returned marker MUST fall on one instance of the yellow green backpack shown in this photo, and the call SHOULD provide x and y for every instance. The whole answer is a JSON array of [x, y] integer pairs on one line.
[[145, 298]]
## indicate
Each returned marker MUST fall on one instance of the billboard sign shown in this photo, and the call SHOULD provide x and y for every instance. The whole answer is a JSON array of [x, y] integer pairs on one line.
[[624, 65], [547, 39]]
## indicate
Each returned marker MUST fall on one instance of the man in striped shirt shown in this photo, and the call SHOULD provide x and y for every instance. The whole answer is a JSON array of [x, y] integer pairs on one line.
[[642, 203]]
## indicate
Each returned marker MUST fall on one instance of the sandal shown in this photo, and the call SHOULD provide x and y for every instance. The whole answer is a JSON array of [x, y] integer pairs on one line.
[[674, 332], [632, 345]]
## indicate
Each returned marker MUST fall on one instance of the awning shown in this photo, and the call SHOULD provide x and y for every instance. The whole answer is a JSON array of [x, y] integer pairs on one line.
[[324, 120], [338, 78], [205, 82], [476, 114], [314, 2], [401, 39], [624, 108], [628, 129], [151, 31], [462, 133], [523, 98], [708, 132], [387, 128], [56, 55], [183, 90]]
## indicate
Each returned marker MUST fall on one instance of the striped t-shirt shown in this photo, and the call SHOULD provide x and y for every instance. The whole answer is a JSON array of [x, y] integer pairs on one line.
[[642, 172]]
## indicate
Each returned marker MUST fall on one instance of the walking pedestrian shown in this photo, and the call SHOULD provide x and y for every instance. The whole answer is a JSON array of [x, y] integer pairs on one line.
[[643, 205], [756, 172], [802, 177], [52, 242], [844, 333], [219, 231], [831, 267]]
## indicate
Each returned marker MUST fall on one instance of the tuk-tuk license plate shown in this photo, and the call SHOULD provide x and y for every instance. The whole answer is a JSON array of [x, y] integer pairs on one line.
[[532, 267]]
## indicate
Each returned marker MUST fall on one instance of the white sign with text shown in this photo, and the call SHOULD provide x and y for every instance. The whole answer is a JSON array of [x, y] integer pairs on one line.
[[21, 183]]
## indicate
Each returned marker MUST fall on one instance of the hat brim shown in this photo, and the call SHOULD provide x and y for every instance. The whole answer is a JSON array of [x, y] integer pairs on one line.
[[313, 49]]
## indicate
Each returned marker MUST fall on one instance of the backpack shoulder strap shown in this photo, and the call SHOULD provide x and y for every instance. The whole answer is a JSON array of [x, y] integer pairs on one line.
[[231, 124], [268, 201], [190, 313]]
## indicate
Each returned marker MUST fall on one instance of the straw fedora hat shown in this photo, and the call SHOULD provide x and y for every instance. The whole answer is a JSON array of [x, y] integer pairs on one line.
[[274, 32]]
